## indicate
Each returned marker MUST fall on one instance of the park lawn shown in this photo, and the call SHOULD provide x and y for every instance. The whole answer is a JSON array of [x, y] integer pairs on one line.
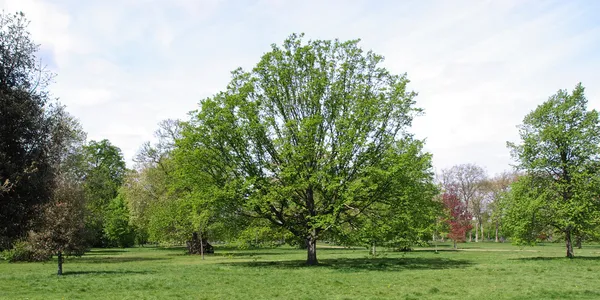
[[478, 271]]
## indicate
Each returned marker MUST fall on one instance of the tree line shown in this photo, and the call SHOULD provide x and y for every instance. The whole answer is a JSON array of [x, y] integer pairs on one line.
[[312, 144]]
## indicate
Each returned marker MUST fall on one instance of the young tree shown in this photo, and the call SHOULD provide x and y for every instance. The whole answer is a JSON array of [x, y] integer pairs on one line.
[[63, 229], [302, 140], [560, 155], [467, 181], [458, 219]]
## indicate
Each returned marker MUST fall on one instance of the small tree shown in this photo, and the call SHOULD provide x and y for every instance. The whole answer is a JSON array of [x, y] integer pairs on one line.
[[63, 228], [459, 219]]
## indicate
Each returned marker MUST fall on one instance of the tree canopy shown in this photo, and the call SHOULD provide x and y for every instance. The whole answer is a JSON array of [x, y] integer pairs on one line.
[[560, 155], [310, 138]]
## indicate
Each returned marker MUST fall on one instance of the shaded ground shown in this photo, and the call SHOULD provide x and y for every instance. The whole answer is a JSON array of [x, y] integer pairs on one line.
[[475, 271]]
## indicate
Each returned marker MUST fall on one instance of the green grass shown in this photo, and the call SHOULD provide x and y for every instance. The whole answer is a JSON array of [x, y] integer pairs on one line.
[[479, 271]]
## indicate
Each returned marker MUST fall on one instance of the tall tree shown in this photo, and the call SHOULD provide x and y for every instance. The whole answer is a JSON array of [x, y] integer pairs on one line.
[[467, 181], [560, 155], [304, 139], [26, 174], [104, 174], [497, 189]]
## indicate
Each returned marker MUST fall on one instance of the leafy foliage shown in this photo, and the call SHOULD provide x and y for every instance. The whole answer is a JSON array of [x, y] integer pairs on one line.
[[560, 152], [304, 139], [117, 228], [63, 228], [459, 218], [26, 172], [104, 174]]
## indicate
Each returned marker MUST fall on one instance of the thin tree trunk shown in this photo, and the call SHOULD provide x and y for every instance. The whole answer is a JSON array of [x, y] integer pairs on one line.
[[454, 244], [312, 250], [578, 241], [470, 235], [497, 232], [482, 234], [569, 244], [60, 263], [374, 249], [476, 232], [201, 245]]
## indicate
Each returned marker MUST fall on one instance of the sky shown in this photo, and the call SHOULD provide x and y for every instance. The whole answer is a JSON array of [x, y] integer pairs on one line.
[[478, 66]]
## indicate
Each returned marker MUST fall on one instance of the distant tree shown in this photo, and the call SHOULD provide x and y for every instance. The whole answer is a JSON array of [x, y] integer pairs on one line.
[[467, 180], [104, 174], [560, 156], [26, 175], [117, 227], [458, 218], [303, 139], [497, 189]]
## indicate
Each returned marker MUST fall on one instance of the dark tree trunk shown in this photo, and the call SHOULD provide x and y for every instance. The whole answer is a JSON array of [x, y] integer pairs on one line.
[[312, 251], [578, 241], [60, 263], [569, 244], [201, 246], [454, 243]]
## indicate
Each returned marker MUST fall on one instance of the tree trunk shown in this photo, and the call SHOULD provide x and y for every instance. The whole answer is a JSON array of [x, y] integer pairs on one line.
[[569, 244], [374, 249], [454, 244], [481, 229], [578, 240], [312, 250], [476, 232], [201, 246], [497, 232], [470, 235], [60, 263]]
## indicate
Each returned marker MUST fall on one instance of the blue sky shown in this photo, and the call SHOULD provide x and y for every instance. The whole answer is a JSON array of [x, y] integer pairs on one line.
[[478, 66]]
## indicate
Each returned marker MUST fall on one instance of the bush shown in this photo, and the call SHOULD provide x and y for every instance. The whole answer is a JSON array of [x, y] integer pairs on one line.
[[24, 251]]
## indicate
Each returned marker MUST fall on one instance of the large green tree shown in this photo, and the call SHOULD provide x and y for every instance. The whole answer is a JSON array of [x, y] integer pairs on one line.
[[560, 155], [104, 174], [304, 140], [26, 173]]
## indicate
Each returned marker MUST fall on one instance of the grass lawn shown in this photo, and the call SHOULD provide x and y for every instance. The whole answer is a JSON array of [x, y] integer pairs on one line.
[[478, 271]]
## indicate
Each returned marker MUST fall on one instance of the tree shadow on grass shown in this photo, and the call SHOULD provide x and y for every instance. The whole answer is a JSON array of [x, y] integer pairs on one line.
[[434, 250], [104, 252], [173, 248], [364, 264], [246, 254], [118, 259], [120, 272], [540, 258]]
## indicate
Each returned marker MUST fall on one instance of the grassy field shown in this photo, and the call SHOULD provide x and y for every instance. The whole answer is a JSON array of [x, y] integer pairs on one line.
[[478, 271]]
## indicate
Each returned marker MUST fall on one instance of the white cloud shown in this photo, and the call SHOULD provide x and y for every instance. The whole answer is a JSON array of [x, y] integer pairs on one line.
[[479, 66]]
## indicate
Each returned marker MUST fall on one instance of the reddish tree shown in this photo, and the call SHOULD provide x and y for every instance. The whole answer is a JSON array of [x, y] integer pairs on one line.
[[459, 218]]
